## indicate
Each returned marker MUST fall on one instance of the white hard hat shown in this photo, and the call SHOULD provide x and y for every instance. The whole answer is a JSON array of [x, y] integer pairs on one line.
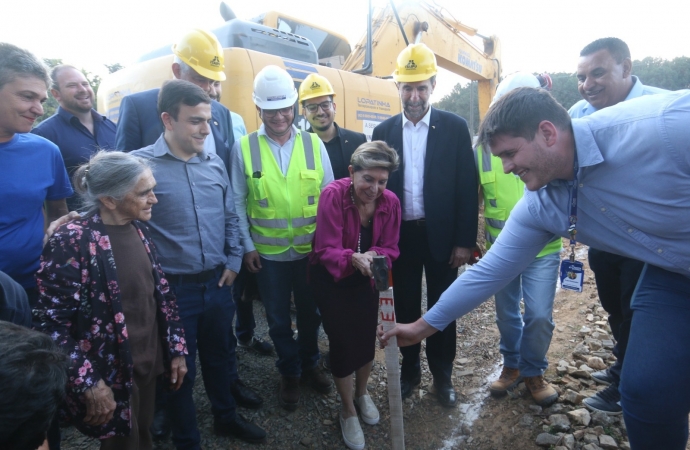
[[274, 89], [514, 81]]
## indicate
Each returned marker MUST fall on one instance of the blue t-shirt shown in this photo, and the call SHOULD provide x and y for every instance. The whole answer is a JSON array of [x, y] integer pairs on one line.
[[31, 172]]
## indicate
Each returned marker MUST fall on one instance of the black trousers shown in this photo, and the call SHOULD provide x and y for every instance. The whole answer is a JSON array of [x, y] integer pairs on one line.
[[415, 256], [616, 277]]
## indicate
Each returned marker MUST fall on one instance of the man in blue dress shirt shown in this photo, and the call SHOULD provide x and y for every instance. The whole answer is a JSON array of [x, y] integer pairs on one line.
[[196, 231], [76, 128], [604, 79], [630, 164]]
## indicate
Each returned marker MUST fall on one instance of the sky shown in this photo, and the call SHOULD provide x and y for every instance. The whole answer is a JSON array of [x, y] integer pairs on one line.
[[536, 36]]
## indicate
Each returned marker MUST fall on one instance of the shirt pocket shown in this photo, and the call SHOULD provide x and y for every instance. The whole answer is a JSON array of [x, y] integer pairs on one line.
[[309, 183], [259, 193]]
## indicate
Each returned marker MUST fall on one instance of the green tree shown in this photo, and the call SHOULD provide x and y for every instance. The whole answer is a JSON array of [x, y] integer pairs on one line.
[[667, 74], [50, 105], [671, 75], [564, 89], [462, 101]]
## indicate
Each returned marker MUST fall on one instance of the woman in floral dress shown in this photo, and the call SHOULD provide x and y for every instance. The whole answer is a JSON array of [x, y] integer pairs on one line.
[[104, 300]]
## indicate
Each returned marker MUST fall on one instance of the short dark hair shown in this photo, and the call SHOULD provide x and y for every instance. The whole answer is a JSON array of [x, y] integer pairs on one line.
[[33, 375], [519, 113], [15, 61], [616, 47], [55, 71], [173, 93]]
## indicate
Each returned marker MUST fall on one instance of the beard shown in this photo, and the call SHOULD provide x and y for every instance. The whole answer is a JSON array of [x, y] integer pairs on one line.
[[415, 113]]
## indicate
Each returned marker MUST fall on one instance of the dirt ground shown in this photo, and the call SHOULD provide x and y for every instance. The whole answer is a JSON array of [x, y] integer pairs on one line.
[[479, 422]]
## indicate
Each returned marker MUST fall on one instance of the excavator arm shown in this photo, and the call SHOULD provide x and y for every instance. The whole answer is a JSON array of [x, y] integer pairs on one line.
[[445, 36]]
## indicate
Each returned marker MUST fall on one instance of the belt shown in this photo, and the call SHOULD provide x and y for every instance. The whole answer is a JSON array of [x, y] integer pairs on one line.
[[418, 223], [198, 278]]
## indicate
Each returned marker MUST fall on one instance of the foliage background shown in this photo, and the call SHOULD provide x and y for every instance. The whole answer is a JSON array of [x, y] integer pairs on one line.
[[667, 74]]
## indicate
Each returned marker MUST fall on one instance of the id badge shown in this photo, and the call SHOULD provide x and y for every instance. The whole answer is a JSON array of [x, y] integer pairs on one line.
[[572, 275]]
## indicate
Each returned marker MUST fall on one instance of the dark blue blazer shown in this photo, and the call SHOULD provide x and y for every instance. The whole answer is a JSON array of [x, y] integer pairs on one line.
[[139, 124], [450, 180]]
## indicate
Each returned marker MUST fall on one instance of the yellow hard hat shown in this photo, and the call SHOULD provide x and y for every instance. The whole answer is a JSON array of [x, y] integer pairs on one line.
[[415, 63], [203, 53], [313, 86]]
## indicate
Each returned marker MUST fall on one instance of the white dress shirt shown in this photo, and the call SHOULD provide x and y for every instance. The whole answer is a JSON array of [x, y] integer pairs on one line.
[[414, 152]]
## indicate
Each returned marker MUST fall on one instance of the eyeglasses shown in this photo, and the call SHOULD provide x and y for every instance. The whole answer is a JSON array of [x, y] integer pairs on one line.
[[270, 113], [325, 106]]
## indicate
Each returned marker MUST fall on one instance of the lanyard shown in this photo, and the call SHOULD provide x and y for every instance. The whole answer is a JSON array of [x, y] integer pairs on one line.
[[572, 219]]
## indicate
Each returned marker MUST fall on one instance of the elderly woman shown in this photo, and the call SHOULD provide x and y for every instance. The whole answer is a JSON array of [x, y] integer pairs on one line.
[[356, 220], [104, 300]]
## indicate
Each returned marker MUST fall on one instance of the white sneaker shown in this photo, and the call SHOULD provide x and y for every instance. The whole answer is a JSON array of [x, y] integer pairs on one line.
[[367, 409], [352, 432]]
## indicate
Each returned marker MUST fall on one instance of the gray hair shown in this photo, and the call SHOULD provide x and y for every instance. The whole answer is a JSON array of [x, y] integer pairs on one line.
[[375, 155], [108, 174], [184, 67], [15, 61]]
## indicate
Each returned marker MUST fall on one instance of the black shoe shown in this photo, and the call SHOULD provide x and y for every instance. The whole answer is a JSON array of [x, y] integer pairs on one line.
[[407, 384], [603, 377], [446, 394], [244, 396], [160, 428], [256, 344], [607, 401], [241, 429]]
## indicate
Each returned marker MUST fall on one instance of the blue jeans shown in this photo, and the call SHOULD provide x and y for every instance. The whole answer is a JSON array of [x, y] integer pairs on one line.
[[654, 391], [277, 279], [526, 339], [206, 312], [244, 320]]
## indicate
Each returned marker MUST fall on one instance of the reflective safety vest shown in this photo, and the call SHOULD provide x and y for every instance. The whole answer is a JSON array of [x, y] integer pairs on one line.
[[282, 209], [501, 192]]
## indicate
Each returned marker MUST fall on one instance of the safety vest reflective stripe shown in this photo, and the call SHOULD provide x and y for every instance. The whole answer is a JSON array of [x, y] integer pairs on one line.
[[301, 222], [303, 239], [269, 223], [309, 156], [255, 151], [495, 223], [486, 160], [282, 223], [261, 239]]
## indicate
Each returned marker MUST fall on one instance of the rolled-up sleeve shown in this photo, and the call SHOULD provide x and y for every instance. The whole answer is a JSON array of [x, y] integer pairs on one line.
[[516, 247]]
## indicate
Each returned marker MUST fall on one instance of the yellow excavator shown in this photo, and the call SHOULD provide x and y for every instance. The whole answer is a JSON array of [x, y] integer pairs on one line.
[[361, 78]]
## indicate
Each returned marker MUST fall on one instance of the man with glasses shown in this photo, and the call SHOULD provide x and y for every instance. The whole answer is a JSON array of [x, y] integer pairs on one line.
[[316, 95], [278, 173]]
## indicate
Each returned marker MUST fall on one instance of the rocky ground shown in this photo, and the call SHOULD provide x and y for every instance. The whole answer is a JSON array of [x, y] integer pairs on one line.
[[581, 344]]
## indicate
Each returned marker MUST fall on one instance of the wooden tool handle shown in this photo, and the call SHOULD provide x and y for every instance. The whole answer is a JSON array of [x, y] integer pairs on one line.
[[392, 370]]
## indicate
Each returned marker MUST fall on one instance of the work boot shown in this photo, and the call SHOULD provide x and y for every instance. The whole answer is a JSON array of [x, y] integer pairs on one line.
[[508, 380], [289, 393], [542, 392], [317, 380]]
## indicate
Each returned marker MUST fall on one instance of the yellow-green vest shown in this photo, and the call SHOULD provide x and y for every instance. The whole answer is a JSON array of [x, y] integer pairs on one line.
[[282, 209], [501, 192]]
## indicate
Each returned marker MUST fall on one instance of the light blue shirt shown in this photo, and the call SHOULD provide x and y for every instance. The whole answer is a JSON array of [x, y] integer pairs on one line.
[[633, 200], [238, 127], [282, 154], [193, 225], [583, 108]]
